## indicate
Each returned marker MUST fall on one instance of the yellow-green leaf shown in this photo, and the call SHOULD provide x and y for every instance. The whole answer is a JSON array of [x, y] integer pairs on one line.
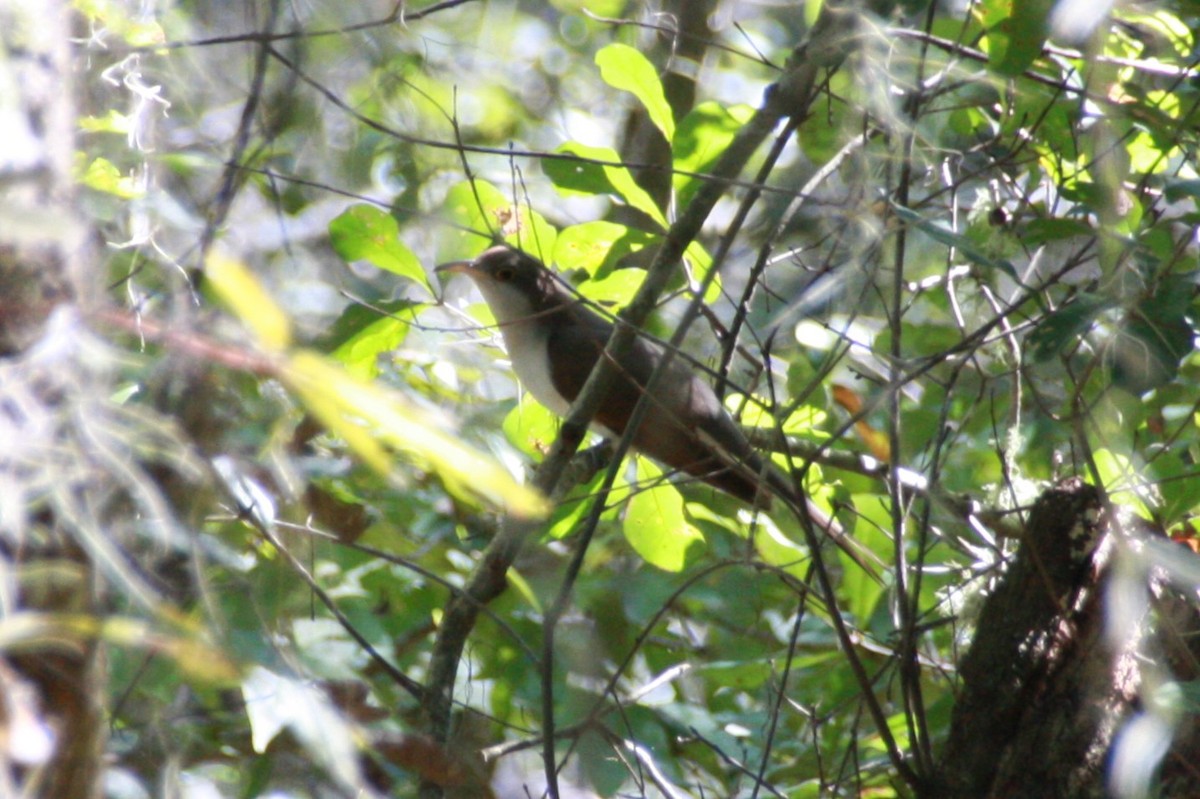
[[102, 175], [476, 210], [655, 525], [624, 68], [700, 139], [244, 296], [599, 172], [197, 658], [530, 427], [1123, 480], [616, 290], [369, 416], [365, 233], [598, 246]]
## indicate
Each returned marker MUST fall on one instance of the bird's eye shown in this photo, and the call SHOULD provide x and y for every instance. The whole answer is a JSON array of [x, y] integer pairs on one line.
[[505, 274]]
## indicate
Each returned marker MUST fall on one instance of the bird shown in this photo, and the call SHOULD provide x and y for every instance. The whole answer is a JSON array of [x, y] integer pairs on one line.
[[554, 340]]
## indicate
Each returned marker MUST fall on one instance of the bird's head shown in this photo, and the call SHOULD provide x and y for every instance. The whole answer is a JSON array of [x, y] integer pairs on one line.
[[515, 285]]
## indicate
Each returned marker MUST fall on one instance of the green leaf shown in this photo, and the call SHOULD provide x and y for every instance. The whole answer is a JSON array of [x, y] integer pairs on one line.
[[597, 247], [616, 290], [358, 316], [1060, 328], [775, 548], [1154, 338], [624, 68], [607, 177], [812, 11], [1178, 189], [572, 509], [365, 233], [361, 334], [1040, 231], [1016, 33], [1174, 476], [805, 420], [112, 122], [1122, 479], [476, 210], [871, 518], [531, 427], [699, 263], [102, 175], [655, 525], [951, 238], [699, 141], [743, 675]]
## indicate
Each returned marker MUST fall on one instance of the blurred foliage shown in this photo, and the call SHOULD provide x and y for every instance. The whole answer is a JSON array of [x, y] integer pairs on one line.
[[983, 236]]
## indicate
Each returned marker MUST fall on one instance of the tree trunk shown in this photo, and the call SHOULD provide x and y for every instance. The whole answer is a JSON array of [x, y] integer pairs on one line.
[[1068, 651]]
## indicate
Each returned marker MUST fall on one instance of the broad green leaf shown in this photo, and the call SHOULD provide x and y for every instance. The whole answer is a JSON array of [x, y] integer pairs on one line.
[[1174, 31], [360, 354], [475, 211], [655, 525], [1122, 479], [1177, 189], [699, 262], [598, 246], [1153, 338], [518, 583], [1174, 475], [361, 334], [871, 518], [777, 549], [616, 290], [112, 122], [116, 20], [599, 171], [600, 8], [102, 175], [1016, 33], [812, 11], [365, 233], [1040, 231], [244, 296], [745, 675], [573, 508], [604, 774], [1060, 328], [804, 420], [1146, 154], [531, 427], [700, 139], [624, 68]]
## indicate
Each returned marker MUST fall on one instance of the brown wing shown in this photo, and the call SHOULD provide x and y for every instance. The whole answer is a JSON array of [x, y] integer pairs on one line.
[[704, 446]]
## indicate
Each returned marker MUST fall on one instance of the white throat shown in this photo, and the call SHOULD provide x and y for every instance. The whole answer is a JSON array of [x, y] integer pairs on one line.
[[526, 341]]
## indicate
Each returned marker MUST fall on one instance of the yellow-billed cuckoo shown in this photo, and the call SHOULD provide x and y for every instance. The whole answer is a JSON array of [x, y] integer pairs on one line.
[[554, 341]]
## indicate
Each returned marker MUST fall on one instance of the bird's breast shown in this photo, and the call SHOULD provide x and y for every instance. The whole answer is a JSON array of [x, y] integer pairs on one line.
[[530, 356], [528, 349]]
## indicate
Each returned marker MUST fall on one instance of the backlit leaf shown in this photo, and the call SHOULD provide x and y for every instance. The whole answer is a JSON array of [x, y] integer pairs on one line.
[[245, 296], [626, 69], [366, 233], [586, 176], [655, 525]]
